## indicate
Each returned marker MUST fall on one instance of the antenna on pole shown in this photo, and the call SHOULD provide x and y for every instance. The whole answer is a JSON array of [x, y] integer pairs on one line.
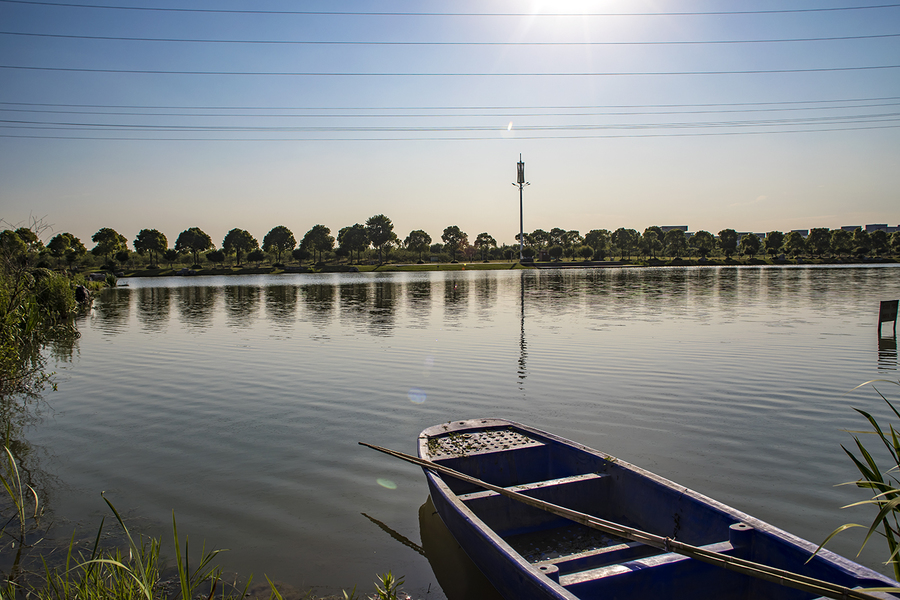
[[520, 181]]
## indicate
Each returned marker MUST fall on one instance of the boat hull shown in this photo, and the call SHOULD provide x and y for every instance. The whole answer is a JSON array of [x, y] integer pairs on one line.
[[529, 553]]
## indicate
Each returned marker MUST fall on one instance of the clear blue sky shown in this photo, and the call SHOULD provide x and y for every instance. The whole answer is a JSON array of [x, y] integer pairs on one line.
[[425, 121]]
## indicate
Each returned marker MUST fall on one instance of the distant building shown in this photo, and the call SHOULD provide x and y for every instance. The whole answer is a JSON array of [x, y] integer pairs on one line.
[[882, 227], [761, 236], [850, 228], [668, 228], [803, 232]]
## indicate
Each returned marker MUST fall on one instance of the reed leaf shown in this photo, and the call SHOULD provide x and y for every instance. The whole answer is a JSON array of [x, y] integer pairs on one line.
[[882, 482]]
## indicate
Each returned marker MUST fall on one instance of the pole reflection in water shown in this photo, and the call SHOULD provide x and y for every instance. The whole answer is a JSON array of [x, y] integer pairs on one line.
[[887, 353], [457, 575], [523, 354]]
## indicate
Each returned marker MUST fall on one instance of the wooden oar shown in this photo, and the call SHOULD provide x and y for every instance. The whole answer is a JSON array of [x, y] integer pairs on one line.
[[731, 563]]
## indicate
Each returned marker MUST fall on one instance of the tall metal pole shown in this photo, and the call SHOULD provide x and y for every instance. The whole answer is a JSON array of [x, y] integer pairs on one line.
[[520, 181]]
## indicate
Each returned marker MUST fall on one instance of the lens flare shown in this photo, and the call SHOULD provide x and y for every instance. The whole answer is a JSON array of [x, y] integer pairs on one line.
[[416, 396], [386, 483]]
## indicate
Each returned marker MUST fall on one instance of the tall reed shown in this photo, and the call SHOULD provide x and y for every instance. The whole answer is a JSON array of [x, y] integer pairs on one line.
[[884, 483]]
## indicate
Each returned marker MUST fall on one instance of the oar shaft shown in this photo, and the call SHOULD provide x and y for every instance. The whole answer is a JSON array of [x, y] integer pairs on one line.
[[731, 563]]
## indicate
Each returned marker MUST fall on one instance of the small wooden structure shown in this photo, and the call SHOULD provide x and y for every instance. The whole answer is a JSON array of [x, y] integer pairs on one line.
[[888, 313]]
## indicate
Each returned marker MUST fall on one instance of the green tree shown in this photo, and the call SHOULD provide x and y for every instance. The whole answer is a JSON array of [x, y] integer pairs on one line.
[[570, 240], [108, 241], [585, 252], [279, 240], [195, 241], [728, 241], [122, 256], [216, 257], [819, 241], [626, 240], [380, 232], [794, 244], [417, 241], [300, 254], [239, 242], [31, 239], [750, 245], [256, 256], [455, 239], [540, 239], [171, 256], [703, 242], [555, 236], [895, 242], [878, 241], [675, 243], [65, 245], [318, 239], [841, 241], [354, 238], [774, 242], [484, 242], [651, 242], [555, 251], [598, 240], [151, 241], [861, 243]]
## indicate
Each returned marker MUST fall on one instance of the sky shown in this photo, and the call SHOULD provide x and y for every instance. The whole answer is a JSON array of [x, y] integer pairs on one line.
[[160, 114]]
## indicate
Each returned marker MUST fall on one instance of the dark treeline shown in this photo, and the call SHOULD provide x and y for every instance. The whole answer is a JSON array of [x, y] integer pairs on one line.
[[376, 242]]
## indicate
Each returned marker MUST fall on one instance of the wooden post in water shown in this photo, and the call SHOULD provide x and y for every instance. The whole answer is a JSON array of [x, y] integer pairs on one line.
[[888, 312]]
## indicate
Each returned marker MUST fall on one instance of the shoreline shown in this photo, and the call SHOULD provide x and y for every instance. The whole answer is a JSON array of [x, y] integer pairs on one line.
[[492, 266]]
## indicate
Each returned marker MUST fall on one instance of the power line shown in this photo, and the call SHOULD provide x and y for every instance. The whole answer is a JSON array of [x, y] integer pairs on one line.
[[452, 14], [550, 107], [831, 119], [452, 139], [447, 115], [448, 74], [435, 43]]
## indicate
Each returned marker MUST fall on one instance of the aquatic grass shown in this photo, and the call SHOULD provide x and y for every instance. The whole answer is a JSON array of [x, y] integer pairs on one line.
[[389, 588], [129, 573], [23, 520], [884, 483]]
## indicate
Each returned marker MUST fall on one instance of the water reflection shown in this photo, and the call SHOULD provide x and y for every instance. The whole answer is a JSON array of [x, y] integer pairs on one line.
[[153, 307], [113, 311], [381, 316], [457, 575], [196, 304], [241, 305], [456, 299], [353, 298], [485, 295], [418, 299], [523, 345], [887, 353], [281, 304], [319, 302]]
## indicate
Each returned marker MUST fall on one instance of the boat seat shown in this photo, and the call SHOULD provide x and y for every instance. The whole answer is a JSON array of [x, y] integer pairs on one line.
[[509, 517], [623, 576], [527, 487]]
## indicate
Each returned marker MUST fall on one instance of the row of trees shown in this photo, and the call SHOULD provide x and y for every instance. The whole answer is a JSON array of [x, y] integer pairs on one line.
[[279, 244], [601, 243]]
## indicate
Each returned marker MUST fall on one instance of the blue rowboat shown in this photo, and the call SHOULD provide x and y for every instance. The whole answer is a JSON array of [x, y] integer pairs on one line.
[[529, 553]]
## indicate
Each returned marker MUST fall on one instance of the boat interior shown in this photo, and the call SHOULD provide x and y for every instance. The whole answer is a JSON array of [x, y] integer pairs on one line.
[[586, 561]]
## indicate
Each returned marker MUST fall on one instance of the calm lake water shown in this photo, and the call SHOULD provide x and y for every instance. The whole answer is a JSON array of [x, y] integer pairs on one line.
[[238, 402]]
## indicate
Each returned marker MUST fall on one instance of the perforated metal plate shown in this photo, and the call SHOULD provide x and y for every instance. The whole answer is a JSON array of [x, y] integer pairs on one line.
[[452, 445]]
